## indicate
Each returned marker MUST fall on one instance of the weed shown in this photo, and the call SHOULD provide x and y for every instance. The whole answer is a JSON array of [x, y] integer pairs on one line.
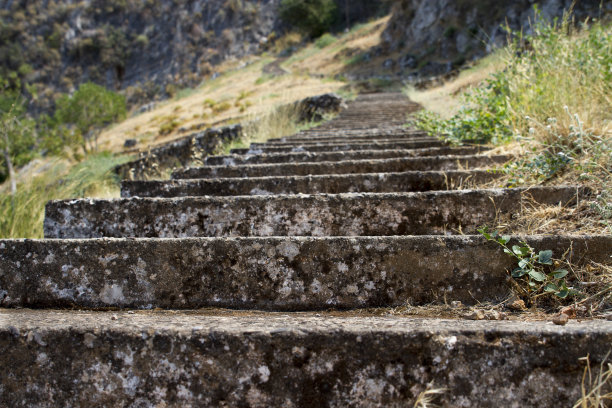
[[533, 268]]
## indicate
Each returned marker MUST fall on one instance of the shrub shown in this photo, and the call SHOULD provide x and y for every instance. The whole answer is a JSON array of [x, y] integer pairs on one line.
[[313, 17], [325, 40]]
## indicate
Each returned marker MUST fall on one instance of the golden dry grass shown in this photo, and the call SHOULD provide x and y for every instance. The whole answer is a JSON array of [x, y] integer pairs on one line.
[[241, 92], [445, 99]]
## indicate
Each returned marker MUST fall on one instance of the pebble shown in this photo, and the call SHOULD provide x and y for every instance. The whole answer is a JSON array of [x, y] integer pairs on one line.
[[561, 319]]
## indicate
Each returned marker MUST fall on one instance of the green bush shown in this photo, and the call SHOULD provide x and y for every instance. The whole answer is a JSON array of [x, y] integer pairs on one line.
[[313, 17], [325, 40], [90, 109]]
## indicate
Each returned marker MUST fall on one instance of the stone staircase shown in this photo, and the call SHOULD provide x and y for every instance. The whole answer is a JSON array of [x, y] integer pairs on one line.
[[243, 282]]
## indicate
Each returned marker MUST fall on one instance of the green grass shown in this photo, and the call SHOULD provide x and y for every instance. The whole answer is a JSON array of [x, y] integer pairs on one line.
[[553, 97], [21, 215]]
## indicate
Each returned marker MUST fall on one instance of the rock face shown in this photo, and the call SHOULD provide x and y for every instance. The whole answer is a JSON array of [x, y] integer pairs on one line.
[[442, 34], [138, 46], [294, 267]]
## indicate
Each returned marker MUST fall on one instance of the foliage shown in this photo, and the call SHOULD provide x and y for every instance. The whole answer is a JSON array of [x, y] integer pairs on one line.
[[484, 117], [18, 130], [325, 41], [313, 17], [534, 268], [21, 216], [90, 109]]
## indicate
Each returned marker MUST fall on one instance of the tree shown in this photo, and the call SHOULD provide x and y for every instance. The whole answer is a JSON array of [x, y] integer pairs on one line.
[[90, 109], [313, 17], [17, 133]]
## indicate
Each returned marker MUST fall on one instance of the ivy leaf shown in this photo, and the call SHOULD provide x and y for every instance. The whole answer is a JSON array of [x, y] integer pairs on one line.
[[537, 276], [518, 272], [560, 273], [551, 287], [563, 293], [519, 250], [505, 239], [523, 263], [545, 257]]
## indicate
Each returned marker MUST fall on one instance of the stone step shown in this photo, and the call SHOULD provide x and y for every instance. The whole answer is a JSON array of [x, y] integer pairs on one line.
[[339, 137], [342, 139], [370, 214], [371, 134], [278, 273], [339, 147], [77, 358], [300, 157], [402, 164], [327, 183]]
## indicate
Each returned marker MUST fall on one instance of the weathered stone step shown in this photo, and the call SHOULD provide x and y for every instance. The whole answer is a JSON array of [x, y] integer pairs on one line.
[[371, 214], [327, 183], [84, 359], [343, 139], [367, 134], [347, 166], [340, 146], [298, 157], [268, 273], [339, 135]]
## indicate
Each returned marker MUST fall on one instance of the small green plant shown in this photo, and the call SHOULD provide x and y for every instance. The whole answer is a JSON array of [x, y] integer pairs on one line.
[[534, 268], [325, 41]]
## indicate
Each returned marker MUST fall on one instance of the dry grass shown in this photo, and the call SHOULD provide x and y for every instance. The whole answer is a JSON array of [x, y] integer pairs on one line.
[[21, 215], [445, 99], [596, 389], [238, 92], [427, 397]]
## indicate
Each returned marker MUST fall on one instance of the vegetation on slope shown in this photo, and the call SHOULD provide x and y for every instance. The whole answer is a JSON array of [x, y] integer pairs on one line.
[[550, 104]]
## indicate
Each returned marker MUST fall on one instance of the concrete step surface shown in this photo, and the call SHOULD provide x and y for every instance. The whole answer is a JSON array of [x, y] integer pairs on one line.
[[363, 214], [77, 358], [326, 183], [339, 140], [300, 157], [273, 273], [401, 164], [340, 147]]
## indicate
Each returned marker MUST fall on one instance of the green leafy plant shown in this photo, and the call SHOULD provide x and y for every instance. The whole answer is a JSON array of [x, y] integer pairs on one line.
[[535, 268], [90, 109], [325, 40]]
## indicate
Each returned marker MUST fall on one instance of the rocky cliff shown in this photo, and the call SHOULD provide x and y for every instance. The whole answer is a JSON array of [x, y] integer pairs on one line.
[[146, 48], [436, 36], [144, 44]]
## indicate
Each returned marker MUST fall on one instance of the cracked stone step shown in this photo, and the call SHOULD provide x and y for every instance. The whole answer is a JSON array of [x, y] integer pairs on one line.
[[440, 163], [327, 183], [341, 146], [371, 214], [277, 273], [341, 140], [78, 358], [298, 157]]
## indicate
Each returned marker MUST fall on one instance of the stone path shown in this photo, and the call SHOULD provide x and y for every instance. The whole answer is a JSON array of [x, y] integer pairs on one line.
[[111, 308]]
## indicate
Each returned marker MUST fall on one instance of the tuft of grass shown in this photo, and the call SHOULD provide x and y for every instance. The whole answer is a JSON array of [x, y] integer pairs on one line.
[[427, 398], [21, 215], [596, 389]]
